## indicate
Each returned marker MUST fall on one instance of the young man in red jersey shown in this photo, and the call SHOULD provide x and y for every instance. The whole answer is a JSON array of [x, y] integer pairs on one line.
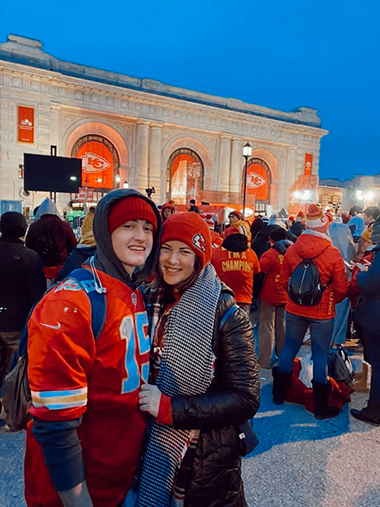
[[84, 442]]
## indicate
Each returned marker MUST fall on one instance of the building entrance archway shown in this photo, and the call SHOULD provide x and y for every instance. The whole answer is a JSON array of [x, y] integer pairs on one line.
[[259, 182], [100, 162], [184, 176]]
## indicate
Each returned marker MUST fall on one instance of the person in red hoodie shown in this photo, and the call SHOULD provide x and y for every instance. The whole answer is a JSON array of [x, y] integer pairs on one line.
[[273, 298], [314, 243]]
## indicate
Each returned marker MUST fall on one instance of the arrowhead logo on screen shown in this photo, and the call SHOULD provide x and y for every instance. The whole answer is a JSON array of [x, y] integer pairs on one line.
[[93, 163]]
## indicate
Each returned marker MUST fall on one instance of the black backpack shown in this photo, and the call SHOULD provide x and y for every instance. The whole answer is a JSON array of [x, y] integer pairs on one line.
[[46, 246], [305, 286], [340, 367]]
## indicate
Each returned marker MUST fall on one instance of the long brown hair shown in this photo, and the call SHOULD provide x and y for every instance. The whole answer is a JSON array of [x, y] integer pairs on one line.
[[181, 287]]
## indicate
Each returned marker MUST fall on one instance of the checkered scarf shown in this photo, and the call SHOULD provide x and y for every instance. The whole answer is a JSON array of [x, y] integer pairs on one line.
[[187, 368]]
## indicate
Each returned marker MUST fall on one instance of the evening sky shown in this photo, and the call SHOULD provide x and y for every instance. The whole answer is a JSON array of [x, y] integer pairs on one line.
[[318, 53]]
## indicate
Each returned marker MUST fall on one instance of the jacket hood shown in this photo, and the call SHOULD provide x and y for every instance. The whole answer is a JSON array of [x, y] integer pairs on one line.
[[311, 243], [341, 237], [47, 207], [297, 228], [105, 257], [282, 245]]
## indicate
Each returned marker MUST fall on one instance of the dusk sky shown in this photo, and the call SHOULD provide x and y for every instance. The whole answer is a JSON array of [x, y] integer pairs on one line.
[[318, 53]]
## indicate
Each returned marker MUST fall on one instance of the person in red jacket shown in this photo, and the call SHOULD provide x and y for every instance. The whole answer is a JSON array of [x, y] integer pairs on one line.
[[236, 265], [314, 243], [273, 298], [84, 443]]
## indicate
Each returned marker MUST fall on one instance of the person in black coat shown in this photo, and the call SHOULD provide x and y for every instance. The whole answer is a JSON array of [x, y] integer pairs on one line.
[[366, 317], [22, 283], [204, 377]]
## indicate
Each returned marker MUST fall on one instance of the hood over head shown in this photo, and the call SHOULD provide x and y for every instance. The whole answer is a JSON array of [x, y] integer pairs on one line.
[[341, 237], [105, 258], [282, 245], [47, 207], [311, 243]]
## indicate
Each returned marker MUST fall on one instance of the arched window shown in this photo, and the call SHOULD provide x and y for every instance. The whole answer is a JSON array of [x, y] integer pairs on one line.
[[184, 176], [100, 162]]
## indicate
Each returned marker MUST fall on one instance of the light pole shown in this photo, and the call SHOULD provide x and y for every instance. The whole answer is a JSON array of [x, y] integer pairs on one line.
[[247, 152]]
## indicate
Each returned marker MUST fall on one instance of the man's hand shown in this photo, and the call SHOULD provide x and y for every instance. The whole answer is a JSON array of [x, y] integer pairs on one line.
[[76, 497], [149, 399]]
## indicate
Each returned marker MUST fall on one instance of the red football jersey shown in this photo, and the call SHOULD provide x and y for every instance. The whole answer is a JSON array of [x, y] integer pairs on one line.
[[72, 375], [236, 270]]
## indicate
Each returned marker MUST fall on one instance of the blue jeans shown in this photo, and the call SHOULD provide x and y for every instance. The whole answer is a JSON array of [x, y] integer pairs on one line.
[[341, 322], [321, 334]]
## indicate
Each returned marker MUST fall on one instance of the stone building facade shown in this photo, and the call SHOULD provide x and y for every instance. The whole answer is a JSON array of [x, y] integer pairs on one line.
[[182, 143]]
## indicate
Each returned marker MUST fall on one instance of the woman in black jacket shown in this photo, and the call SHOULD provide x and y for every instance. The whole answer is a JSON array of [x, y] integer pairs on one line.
[[205, 377], [366, 318]]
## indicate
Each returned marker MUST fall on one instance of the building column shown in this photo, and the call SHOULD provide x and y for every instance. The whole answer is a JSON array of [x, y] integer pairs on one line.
[[55, 137], [224, 164], [154, 176], [140, 179], [236, 165], [287, 177]]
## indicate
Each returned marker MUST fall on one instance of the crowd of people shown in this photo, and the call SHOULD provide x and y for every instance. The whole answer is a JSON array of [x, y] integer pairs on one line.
[[148, 410]]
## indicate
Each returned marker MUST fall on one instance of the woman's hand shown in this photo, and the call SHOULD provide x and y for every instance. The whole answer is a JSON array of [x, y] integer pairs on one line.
[[149, 399]]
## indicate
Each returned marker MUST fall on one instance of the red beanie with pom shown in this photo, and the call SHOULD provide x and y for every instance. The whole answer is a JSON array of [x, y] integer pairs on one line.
[[192, 230]]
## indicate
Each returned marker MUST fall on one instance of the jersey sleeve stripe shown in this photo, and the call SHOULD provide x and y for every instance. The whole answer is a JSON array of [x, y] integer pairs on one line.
[[57, 400]]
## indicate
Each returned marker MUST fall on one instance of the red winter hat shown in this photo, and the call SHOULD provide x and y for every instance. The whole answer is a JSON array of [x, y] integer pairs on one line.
[[167, 205], [301, 217], [238, 215], [209, 221], [130, 208], [192, 230], [316, 219]]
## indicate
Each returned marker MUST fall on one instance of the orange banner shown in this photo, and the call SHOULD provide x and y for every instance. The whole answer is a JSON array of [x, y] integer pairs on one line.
[[97, 165], [308, 164], [257, 181], [25, 124]]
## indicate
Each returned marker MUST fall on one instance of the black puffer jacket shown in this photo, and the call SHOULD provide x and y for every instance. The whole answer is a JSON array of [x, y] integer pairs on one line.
[[233, 398]]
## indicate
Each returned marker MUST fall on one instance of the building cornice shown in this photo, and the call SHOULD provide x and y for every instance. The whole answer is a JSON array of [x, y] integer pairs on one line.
[[29, 53]]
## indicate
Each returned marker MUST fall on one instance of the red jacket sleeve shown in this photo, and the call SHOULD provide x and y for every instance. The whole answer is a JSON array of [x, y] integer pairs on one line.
[[61, 351]]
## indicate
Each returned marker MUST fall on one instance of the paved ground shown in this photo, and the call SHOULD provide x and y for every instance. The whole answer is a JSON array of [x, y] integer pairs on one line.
[[300, 462]]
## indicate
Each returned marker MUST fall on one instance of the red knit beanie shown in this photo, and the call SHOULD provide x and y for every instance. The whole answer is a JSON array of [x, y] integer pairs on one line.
[[301, 217], [191, 230], [130, 208], [316, 219]]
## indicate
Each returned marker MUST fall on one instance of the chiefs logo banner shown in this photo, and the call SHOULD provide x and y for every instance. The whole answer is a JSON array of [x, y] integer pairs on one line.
[[308, 164], [25, 124], [97, 165], [257, 181]]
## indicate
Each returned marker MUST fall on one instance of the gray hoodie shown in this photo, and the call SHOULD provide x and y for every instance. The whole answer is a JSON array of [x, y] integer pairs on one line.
[[105, 257]]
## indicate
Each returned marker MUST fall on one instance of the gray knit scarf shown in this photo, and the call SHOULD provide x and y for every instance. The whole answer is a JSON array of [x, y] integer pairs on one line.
[[187, 368]]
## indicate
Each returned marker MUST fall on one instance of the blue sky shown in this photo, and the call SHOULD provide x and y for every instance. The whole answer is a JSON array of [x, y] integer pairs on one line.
[[318, 53]]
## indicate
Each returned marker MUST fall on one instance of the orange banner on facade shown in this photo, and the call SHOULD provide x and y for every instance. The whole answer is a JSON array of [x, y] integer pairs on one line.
[[257, 182], [97, 165], [25, 124], [308, 164]]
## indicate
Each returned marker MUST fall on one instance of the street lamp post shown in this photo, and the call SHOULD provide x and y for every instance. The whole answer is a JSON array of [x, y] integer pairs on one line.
[[247, 152]]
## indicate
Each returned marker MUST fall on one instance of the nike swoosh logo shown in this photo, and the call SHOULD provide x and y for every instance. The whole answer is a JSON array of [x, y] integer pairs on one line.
[[58, 326]]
